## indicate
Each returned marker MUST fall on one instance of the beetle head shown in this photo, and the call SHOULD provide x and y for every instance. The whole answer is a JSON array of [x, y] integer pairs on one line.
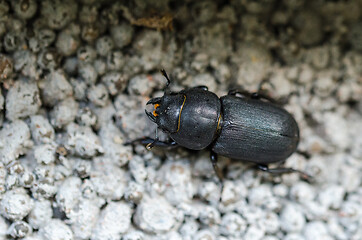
[[167, 108], [166, 111]]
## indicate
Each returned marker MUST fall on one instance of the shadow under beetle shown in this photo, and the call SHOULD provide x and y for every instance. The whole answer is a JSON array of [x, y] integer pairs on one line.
[[241, 127]]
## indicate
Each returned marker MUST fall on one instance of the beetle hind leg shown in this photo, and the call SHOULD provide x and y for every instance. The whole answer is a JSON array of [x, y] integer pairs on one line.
[[282, 170]]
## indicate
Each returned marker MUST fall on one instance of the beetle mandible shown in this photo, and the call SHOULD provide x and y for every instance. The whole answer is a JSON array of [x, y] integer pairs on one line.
[[242, 127]]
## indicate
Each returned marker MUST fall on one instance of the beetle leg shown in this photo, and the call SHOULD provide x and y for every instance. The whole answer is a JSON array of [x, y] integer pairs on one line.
[[254, 95], [150, 143], [213, 158], [202, 87], [257, 95], [281, 170]]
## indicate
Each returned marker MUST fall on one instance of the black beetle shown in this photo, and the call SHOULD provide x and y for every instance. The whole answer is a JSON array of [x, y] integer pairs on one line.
[[242, 127]]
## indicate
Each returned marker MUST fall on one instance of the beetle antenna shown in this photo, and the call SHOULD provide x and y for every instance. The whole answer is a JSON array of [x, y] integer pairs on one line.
[[167, 78]]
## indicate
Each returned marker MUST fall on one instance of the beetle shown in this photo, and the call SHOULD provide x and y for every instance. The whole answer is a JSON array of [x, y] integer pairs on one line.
[[241, 126]]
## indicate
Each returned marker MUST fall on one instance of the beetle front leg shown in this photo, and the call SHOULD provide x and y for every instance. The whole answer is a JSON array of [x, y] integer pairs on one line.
[[282, 170], [150, 143], [213, 158]]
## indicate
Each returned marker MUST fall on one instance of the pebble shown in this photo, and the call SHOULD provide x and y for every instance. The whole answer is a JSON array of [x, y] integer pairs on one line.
[[45, 37], [302, 192], [308, 26], [148, 44], [232, 192], [209, 191], [45, 154], [113, 222], [140, 85], [64, 113], [253, 61], [292, 218], [82, 141], [3, 229], [24, 61], [98, 95], [34, 236], [270, 223], [24, 11], [86, 54], [202, 167], [86, 117], [115, 61], [233, 225], [55, 88], [83, 218], [355, 36], [332, 196], [316, 230], [254, 232], [209, 216], [134, 192], [68, 194], [203, 79], [259, 196], [55, 229], [113, 144], [293, 236], [22, 100], [279, 78], [133, 235], [156, 215], [67, 43], [19, 229], [41, 214], [17, 135], [176, 176], [315, 210], [189, 228], [58, 13], [115, 82], [27, 179], [335, 229], [49, 59], [104, 45], [41, 130], [109, 182], [16, 204], [122, 34], [204, 234], [88, 74]]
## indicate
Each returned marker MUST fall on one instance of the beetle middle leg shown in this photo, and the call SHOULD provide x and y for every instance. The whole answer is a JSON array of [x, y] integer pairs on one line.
[[282, 170], [213, 158], [203, 87], [254, 95]]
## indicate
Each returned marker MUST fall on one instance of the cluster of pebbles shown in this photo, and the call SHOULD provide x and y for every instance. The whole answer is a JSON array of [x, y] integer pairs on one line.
[[75, 77]]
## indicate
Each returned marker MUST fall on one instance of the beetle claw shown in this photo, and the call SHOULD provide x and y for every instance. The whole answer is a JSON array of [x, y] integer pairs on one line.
[[150, 116], [154, 101]]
